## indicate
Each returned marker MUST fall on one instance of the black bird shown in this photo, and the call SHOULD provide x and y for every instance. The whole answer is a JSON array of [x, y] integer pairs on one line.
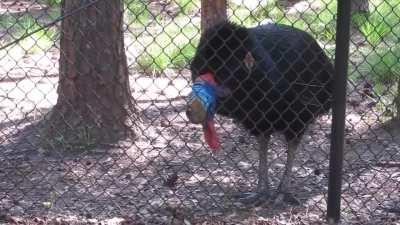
[[278, 80]]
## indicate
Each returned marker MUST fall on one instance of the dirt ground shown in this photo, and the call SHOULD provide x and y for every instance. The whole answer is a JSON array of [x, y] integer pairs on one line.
[[130, 183]]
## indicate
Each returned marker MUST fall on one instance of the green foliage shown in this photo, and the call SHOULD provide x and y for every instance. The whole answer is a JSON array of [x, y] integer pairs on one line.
[[382, 22], [372, 30], [187, 6], [379, 59], [319, 18], [17, 25], [240, 15], [156, 58], [136, 12], [182, 55], [40, 41], [7, 21], [51, 3], [384, 65], [269, 10], [53, 14], [324, 25], [172, 48], [25, 24]]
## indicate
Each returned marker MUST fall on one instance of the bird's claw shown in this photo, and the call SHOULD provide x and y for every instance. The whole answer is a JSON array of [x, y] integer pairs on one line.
[[252, 198], [286, 197]]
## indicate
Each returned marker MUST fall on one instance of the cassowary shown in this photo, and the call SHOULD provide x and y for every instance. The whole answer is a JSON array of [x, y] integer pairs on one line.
[[270, 78]]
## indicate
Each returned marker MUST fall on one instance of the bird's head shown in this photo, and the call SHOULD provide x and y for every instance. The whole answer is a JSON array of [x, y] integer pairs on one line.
[[202, 105], [224, 51], [221, 62]]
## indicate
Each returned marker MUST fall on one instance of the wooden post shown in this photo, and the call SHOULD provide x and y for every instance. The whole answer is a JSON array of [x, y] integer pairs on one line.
[[212, 12]]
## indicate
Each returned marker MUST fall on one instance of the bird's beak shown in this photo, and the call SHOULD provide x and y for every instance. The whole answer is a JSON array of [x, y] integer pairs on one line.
[[195, 112]]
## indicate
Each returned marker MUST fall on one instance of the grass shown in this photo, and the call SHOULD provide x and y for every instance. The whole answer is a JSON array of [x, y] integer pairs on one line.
[[51, 3], [382, 22], [186, 7], [25, 24], [382, 67], [241, 15], [319, 19], [155, 59], [17, 25], [171, 43], [172, 47], [7, 21], [378, 60], [269, 10], [182, 55], [40, 41], [136, 13]]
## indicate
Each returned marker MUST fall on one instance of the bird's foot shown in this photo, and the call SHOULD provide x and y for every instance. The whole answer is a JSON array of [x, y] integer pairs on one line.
[[252, 198], [287, 198]]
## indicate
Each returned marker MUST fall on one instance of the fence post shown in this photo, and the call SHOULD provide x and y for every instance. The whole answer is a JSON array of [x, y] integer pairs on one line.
[[338, 111], [212, 12]]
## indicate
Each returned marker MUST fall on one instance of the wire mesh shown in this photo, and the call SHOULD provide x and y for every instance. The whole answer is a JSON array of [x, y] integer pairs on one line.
[[166, 174]]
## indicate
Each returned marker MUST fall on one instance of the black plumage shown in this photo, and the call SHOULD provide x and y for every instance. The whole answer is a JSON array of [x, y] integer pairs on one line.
[[279, 80]]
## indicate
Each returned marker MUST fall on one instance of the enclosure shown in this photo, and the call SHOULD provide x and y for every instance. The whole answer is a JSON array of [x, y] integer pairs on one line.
[[52, 173]]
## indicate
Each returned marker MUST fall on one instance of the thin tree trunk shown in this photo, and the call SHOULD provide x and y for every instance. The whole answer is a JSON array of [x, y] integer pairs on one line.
[[94, 99], [397, 100], [359, 6], [287, 3], [212, 12]]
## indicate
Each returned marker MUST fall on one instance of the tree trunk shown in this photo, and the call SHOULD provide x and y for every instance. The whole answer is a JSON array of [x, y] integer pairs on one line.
[[287, 3], [397, 100], [359, 6], [212, 12], [94, 100]]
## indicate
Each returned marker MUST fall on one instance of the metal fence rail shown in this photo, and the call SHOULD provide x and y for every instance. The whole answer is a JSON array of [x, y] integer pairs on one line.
[[166, 174]]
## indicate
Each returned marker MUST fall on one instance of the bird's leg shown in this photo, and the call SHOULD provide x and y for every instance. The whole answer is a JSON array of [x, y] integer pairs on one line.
[[284, 193], [263, 183], [262, 192]]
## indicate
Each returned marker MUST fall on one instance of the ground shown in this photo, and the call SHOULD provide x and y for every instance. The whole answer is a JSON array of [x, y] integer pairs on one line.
[[129, 179]]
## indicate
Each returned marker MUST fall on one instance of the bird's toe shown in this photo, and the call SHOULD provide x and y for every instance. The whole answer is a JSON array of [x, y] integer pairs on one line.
[[286, 198], [252, 198]]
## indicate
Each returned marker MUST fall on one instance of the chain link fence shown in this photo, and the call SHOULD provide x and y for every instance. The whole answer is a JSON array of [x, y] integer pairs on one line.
[[167, 175]]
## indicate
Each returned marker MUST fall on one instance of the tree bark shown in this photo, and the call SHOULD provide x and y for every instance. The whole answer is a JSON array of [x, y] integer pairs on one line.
[[397, 101], [212, 12], [359, 6], [287, 3], [94, 103]]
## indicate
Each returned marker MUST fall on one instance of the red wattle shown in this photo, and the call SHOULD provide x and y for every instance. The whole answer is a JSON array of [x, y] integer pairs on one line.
[[210, 135], [209, 77]]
